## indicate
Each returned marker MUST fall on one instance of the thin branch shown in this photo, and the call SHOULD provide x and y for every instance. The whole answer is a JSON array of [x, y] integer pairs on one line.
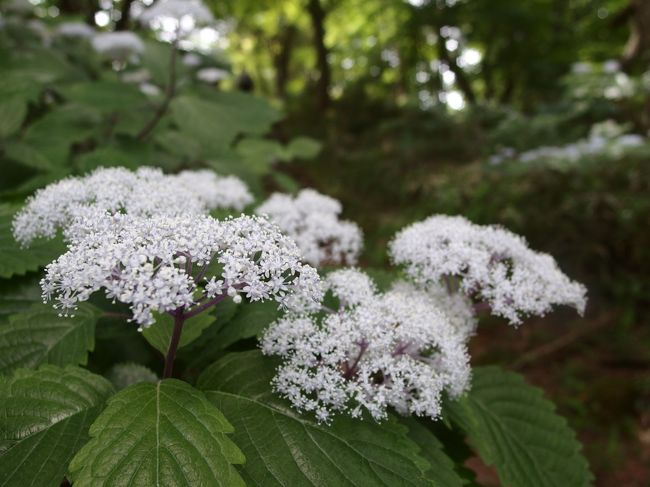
[[560, 343], [198, 309], [170, 92]]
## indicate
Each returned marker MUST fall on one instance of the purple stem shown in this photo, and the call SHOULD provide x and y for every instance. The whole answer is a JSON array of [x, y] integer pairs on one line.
[[351, 370], [179, 319], [202, 307]]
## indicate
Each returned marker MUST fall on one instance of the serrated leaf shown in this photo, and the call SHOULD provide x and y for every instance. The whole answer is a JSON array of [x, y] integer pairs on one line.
[[284, 448], [163, 434], [44, 420], [160, 333], [40, 336], [18, 294], [15, 260], [442, 467], [514, 428]]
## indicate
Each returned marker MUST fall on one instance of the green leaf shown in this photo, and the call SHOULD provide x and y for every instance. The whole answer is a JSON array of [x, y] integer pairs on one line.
[[54, 133], [250, 321], [442, 467], [105, 96], [516, 429], [27, 155], [12, 114], [18, 295], [160, 333], [44, 419], [15, 260], [163, 434], [215, 122], [39, 336], [303, 148], [284, 448]]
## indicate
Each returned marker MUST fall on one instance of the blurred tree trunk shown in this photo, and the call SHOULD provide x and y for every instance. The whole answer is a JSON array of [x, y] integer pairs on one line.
[[125, 15], [282, 59], [83, 8], [461, 79], [317, 15], [637, 49]]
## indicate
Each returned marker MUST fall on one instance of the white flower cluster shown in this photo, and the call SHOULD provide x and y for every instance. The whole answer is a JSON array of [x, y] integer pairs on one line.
[[388, 350], [312, 219], [179, 17], [606, 139], [75, 29], [166, 263], [144, 192], [488, 263], [211, 75], [216, 191], [119, 46]]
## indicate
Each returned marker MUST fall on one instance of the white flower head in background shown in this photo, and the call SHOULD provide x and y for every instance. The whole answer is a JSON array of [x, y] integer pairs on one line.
[[215, 191], [176, 17], [488, 263], [312, 220], [389, 350], [163, 264], [119, 46], [192, 60], [79, 30], [211, 75], [145, 192], [149, 89]]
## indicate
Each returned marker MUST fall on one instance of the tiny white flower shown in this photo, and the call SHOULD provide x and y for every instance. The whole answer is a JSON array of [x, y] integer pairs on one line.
[[491, 264], [312, 220]]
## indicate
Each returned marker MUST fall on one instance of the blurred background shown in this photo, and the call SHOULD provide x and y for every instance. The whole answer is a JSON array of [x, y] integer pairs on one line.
[[530, 114]]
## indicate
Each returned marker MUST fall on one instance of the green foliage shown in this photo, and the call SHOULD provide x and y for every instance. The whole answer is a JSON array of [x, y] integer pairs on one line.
[[18, 261], [44, 418], [516, 429], [40, 336], [158, 434], [160, 333], [284, 448]]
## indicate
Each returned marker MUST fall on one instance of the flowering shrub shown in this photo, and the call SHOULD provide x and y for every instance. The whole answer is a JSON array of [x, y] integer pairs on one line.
[[163, 323], [342, 362]]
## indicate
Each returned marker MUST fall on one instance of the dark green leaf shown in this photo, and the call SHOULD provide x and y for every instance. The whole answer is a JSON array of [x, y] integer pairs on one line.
[[516, 429], [39, 336], [44, 420], [284, 448], [163, 434]]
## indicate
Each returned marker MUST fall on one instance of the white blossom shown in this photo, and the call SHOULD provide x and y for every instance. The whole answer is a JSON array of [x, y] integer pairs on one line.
[[392, 350], [211, 75], [312, 219], [216, 191], [161, 263], [458, 308], [144, 192], [149, 89], [179, 17], [75, 29], [350, 286], [192, 60], [118, 45], [491, 265]]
